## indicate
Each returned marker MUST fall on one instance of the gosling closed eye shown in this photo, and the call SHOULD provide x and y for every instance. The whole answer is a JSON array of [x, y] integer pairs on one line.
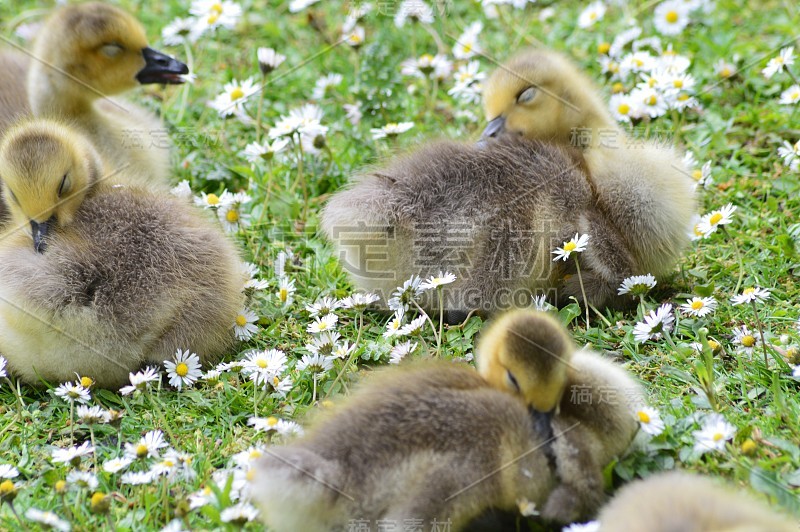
[[111, 50], [64, 186], [527, 95], [512, 381]]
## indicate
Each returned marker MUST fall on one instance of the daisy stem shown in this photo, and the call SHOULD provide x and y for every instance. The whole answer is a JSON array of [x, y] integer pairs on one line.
[[314, 393], [441, 322], [67, 508], [22, 524], [668, 338], [642, 308], [165, 498], [794, 78], [260, 107], [583, 292], [738, 259], [351, 358], [110, 522], [429, 320], [185, 89], [761, 333], [94, 454], [71, 422]]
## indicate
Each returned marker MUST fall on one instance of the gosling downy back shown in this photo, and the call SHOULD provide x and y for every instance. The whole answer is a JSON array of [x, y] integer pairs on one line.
[[668, 502], [642, 187], [122, 277], [490, 214], [83, 55]]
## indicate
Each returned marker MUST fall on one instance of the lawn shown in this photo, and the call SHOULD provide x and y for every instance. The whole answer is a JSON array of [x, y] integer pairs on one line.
[[215, 426]]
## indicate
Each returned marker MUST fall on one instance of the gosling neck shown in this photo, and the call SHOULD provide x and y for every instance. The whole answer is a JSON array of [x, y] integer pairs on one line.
[[605, 132], [53, 93]]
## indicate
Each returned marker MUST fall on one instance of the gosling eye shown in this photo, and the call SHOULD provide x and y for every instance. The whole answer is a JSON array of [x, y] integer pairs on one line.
[[512, 381], [111, 49], [64, 186], [527, 95]]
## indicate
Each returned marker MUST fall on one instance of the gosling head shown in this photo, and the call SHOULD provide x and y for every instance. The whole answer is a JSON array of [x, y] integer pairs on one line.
[[540, 94], [105, 49], [527, 353], [46, 169]]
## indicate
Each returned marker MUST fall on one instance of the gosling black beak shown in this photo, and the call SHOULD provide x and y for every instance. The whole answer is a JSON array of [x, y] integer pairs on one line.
[[161, 68], [40, 231], [495, 127]]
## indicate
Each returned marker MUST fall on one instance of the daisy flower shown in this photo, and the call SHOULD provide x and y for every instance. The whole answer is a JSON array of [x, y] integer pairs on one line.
[[622, 40], [671, 17], [48, 519], [414, 11], [269, 60], [280, 426], [324, 83], [182, 190], [323, 306], [8, 471], [115, 465], [239, 513], [540, 303], [395, 324], [212, 201], [323, 323], [179, 31], [141, 380], [256, 152], [82, 480], [244, 326], [576, 245], [591, 14], [234, 95], [213, 14], [359, 301], [745, 340], [467, 44], [183, 369], [231, 216], [324, 343], [391, 130], [137, 478], [73, 392], [635, 62], [92, 415], [72, 455], [711, 221], [591, 526], [650, 421], [752, 294], [147, 446], [435, 281], [295, 6], [713, 435], [526, 507], [343, 350], [724, 69], [623, 108], [3, 363], [637, 285], [790, 96], [655, 324], [790, 153], [783, 60], [354, 36], [400, 351], [315, 363], [261, 366], [406, 294], [353, 113], [649, 102], [699, 306], [412, 327], [286, 290]]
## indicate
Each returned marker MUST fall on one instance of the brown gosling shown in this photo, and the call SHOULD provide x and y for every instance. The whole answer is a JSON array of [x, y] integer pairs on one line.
[[100, 279]]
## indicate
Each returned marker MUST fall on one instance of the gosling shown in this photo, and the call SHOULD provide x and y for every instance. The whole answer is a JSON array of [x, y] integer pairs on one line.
[[492, 215], [640, 187], [673, 501], [83, 55], [434, 442], [101, 279]]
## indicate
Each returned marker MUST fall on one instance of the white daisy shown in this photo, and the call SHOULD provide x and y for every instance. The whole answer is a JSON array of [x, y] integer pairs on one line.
[[141, 380], [359, 301], [256, 152], [649, 102], [73, 392], [671, 17], [315, 363], [3, 363], [790, 153], [591, 526], [353, 113], [576, 245], [783, 60], [400, 351], [183, 369], [233, 97], [8, 471], [280, 426], [650, 421], [48, 519], [82, 480], [622, 40], [212, 201], [92, 415], [262, 366], [323, 306], [269, 60], [637, 285], [713, 435], [391, 130], [406, 294], [354, 36], [435, 281], [323, 323], [115, 465], [239, 513], [591, 14], [295, 6], [324, 343], [179, 31], [244, 326], [324, 83], [655, 324], [467, 44], [395, 324], [752, 294], [213, 14], [414, 11], [231, 215], [137, 478], [147, 447], [286, 290], [343, 350], [724, 69], [623, 107], [699, 306], [540, 303], [746, 341], [182, 190], [710, 222], [412, 327], [790, 96], [72, 454]]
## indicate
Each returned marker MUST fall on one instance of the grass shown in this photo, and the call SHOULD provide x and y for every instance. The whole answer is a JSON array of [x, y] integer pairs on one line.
[[738, 129]]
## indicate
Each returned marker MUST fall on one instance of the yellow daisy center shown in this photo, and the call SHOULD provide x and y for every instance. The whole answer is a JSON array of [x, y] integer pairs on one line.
[[725, 72], [467, 48], [592, 15], [697, 305], [643, 417], [683, 97], [241, 321], [714, 345], [603, 48], [86, 382], [426, 58], [748, 291], [652, 100], [261, 363], [323, 326], [232, 216], [60, 486], [718, 436], [697, 175], [250, 475], [617, 87], [141, 450], [212, 199], [213, 17], [570, 246], [715, 218], [255, 453], [6, 487], [236, 93], [283, 294], [748, 340], [613, 67], [624, 109], [638, 62], [272, 421], [697, 231], [168, 463], [216, 8], [779, 60], [678, 83], [672, 17], [182, 369]]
